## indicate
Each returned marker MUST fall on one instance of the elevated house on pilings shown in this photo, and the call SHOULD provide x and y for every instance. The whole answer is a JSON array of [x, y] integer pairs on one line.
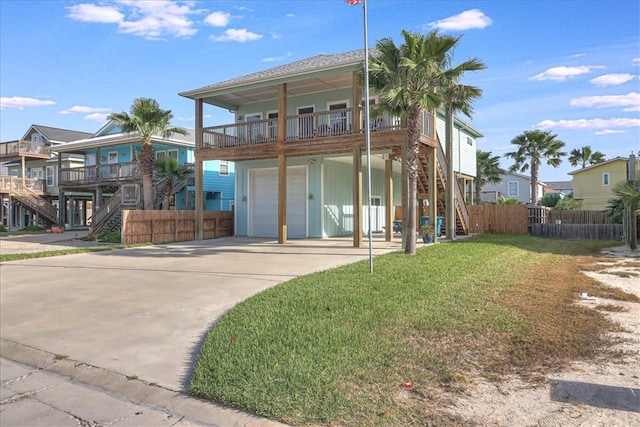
[[29, 188], [111, 178], [298, 142]]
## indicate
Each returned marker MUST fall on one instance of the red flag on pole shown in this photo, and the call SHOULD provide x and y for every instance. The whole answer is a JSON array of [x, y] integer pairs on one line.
[[353, 2]]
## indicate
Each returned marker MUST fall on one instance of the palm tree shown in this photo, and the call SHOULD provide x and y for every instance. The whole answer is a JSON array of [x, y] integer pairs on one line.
[[147, 119], [456, 97], [407, 79], [628, 194], [584, 156], [488, 170], [173, 172], [533, 147]]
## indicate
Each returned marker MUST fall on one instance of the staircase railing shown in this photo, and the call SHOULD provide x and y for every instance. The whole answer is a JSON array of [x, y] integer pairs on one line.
[[462, 212], [104, 212], [34, 202]]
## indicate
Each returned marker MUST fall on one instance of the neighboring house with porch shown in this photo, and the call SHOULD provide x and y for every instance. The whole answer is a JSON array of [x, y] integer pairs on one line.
[[564, 188], [111, 176], [29, 187], [593, 184], [512, 185], [299, 147]]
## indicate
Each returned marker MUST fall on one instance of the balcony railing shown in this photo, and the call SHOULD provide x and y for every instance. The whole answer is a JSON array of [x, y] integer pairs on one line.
[[13, 184], [116, 172], [22, 148], [324, 124]]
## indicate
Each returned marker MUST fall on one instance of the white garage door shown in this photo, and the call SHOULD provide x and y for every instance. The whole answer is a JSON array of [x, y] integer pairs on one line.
[[263, 207]]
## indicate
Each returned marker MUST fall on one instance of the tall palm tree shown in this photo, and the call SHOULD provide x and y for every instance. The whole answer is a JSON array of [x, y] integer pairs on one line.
[[407, 79], [173, 172], [456, 97], [585, 156], [488, 170], [146, 118], [534, 147]]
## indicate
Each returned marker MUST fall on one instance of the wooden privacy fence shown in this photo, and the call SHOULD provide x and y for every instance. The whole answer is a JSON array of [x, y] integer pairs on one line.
[[578, 217], [578, 231], [153, 226], [498, 219]]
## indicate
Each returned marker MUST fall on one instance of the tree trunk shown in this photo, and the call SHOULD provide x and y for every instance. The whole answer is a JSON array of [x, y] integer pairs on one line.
[[413, 132], [168, 186], [450, 195], [478, 200], [146, 166], [534, 182]]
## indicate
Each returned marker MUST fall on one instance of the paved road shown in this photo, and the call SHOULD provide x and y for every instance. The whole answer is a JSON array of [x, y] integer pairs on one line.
[[142, 313]]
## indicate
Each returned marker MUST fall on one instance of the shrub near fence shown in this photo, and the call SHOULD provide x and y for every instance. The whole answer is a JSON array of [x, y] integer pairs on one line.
[[153, 226]]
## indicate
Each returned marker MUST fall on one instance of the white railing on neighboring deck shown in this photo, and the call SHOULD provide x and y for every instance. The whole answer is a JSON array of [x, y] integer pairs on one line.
[[14, 183], [127, 171]]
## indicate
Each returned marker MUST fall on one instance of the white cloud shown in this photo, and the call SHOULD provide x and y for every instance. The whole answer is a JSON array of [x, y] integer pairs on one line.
[[290, 15], [218, 19], [94, 13], [152, 20], [563, 73], [84, 110], [588, 123], [612, 79], [96, 117], [629, 102], [236, 35], [278, 58], [578, 55], [467, 20], [20, 103], [610, 132], [635, 61]]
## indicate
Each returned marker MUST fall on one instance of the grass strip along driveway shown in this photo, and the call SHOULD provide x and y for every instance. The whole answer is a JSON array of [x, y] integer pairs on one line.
[[343, 347]]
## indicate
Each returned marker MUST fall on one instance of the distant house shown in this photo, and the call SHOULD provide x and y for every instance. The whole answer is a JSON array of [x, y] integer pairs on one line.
[[29, 180], [593, 184], [111, 176], [298, 140], [564, 188], [512, 186]]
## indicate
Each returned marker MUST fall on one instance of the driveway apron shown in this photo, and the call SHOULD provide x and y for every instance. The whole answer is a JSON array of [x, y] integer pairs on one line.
[[145, 311]]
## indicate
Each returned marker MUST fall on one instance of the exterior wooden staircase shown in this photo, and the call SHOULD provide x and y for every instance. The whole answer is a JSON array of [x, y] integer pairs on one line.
[[35, 203], [108, 217], [462, 213]]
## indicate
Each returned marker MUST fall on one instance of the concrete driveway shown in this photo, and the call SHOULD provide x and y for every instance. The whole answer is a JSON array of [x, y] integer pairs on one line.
[[145, 311]]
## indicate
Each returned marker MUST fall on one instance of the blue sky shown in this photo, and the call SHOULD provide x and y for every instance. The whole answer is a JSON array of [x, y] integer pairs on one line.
[[571, 67]]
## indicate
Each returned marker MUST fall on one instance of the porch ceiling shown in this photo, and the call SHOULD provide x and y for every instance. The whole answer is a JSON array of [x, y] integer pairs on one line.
[[234, 97]]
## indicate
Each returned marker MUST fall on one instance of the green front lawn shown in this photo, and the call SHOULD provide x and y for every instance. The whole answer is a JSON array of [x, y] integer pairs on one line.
[[343, 347]]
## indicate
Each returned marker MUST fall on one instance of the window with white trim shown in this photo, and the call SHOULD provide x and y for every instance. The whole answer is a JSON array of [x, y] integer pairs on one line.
[[173, 153], [224, 168], [469, 141], [606, 179], [160, 155], [513, 188], [51, 176]]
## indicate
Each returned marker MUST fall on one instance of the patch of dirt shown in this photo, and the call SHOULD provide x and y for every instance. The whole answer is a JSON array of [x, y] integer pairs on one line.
[[601, 393]]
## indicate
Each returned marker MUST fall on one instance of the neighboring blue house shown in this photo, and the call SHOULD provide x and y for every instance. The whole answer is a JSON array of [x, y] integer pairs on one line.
[[298, 141], [111, 165]]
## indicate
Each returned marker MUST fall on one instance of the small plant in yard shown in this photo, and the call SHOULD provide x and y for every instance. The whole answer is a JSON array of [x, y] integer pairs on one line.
[[3, 229], [346, 347], [132, 377], [110, 237], [60, 356]]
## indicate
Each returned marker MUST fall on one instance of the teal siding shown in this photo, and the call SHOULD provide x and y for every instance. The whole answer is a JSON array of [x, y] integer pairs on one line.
[[464, 154]]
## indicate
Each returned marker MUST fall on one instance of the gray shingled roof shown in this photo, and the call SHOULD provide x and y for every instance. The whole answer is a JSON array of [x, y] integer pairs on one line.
[[315, 63], [61, 135]]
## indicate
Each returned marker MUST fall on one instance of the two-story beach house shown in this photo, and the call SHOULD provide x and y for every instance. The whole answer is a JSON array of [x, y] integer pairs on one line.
[[593, 184], [29, 190], [512, 185], [299, 146], [111, 176]]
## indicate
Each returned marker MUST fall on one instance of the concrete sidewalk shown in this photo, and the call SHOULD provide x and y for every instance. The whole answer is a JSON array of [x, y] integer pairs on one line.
[[144, 312]]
